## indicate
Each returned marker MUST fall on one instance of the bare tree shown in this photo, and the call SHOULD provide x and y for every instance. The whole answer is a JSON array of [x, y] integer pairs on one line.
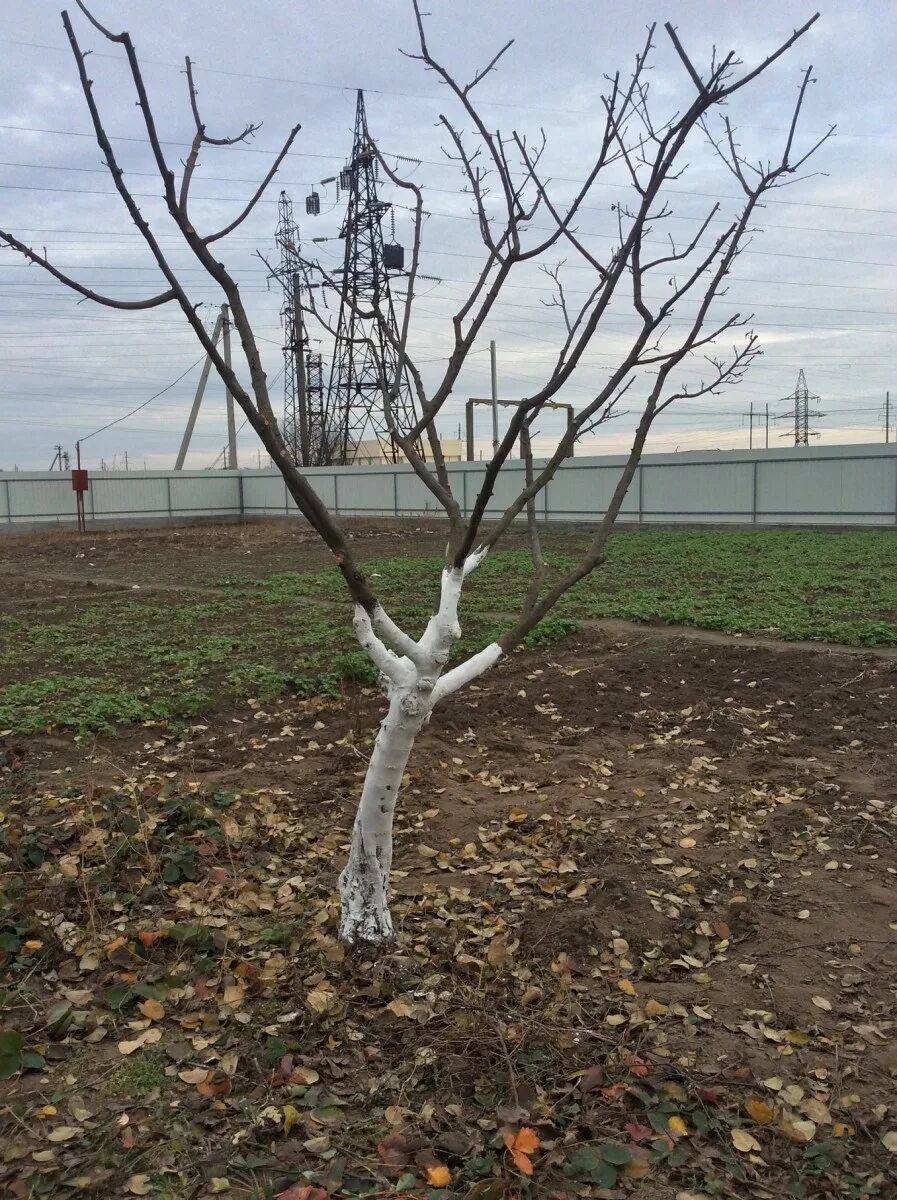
[[504, 177]]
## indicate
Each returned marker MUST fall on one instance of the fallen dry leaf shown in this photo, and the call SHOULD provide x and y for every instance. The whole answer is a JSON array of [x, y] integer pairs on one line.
[[520, 1146], [194, 1075], [796, 1130], [63, 1133], [743, 1141], [439, 1176], [677, 1127], [152, 1009], [759, 1111]]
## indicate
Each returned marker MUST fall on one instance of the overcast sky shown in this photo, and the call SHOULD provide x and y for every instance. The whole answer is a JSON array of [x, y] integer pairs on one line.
[[819, 274]]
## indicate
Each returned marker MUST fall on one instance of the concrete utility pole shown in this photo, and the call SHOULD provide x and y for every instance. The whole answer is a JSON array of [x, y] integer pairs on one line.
[[751, 434], [197, 399], [231, 423], [492, 355]]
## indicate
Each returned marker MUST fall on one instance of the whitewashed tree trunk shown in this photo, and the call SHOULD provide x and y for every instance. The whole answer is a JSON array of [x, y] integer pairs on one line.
[[415, 684]]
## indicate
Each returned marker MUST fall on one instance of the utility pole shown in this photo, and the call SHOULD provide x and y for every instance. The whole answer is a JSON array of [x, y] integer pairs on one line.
[[231, 423], [751, 421], [767, 425], [197, 399], [494, 361], [887, 416], [126, 460]]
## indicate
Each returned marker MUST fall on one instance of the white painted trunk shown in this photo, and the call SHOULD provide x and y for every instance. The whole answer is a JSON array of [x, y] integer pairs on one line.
[[364, 882], [415, 684]]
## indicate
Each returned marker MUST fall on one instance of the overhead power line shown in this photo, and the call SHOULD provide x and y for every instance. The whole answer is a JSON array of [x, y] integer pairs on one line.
[[446, 166], [155, 396]]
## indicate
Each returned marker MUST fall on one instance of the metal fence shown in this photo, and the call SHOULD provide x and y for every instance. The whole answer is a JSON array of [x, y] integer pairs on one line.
[[823, 485]]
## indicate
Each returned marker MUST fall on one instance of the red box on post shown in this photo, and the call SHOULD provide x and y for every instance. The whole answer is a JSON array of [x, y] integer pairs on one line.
[[79, 480]]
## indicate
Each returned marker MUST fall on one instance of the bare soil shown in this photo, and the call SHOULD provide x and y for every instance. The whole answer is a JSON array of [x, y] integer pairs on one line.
[[637, 877]]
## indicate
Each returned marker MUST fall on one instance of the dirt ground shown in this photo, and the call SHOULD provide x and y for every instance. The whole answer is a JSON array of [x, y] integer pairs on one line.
[[62, 565], [645, 894]]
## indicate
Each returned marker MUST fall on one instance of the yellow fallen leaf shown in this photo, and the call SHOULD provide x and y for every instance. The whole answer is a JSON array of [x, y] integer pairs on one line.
[[796, 1130], [816, 1111], [400, 1008], [654, 1008], [759, 1111], [139, 1185], [439, 1177], [677, 1127], [626, 987], [152, 1009], [219, 1184], [63, 1133], [291, 1117], [321, 999], [839, 1130], [129, 1047], [743, 1141], [889, 1141]]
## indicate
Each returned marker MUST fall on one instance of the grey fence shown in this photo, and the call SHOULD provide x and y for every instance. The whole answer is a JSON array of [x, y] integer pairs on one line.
[[824, 485]]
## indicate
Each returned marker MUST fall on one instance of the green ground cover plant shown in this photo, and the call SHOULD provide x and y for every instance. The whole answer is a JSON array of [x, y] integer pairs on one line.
[[129, 658]]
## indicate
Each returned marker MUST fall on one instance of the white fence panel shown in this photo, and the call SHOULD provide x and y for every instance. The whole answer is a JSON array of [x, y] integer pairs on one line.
[[206, 494], [264, 494], [823, 485], [669, 493], [848, 491], [127, 495], [582, 490]]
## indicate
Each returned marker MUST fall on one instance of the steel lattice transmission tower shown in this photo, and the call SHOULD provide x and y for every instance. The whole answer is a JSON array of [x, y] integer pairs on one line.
[[800, 399], [303, 404], [364, 359]]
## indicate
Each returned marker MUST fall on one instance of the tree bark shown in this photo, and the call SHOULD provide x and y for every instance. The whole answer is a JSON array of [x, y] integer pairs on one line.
[[416, 683], [364, 882]]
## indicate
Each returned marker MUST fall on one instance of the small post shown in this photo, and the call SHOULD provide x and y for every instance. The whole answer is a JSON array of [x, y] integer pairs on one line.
[[231, 424], [767, 425], [754, 466], [468, 414], [751, 422], [887, 416], [494, 359], [79, 486]]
